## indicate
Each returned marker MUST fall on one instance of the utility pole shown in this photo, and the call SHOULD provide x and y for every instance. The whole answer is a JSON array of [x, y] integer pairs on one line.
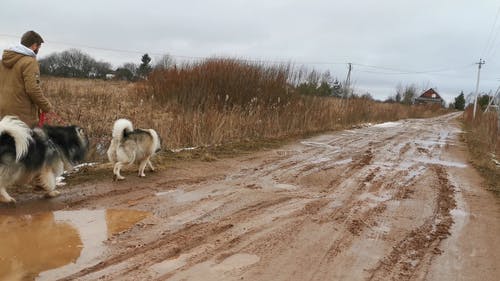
[[480, 63], [492, 100], [348, 81]]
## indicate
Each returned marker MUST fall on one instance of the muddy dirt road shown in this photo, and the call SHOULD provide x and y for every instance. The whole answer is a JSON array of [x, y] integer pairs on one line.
[[395, 201]]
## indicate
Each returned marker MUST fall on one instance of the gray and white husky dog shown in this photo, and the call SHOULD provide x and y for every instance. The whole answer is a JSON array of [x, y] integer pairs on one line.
[[39, 154], [130, 146]]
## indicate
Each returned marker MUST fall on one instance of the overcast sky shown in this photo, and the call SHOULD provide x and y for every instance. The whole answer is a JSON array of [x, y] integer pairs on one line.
[[402, 41]]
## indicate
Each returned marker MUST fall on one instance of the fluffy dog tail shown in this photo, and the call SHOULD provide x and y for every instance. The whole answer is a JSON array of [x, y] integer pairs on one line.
[[156, 141], [120, 128], [19, 131]]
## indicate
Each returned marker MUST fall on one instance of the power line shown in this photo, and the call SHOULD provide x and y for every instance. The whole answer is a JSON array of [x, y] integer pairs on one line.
[[108, 49], [489, 43], [179, 56], [393, 71], [405, 71], [408, 73]]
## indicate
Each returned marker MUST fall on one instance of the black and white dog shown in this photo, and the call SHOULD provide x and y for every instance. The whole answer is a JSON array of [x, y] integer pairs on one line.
[[130, 146], [41, 154]]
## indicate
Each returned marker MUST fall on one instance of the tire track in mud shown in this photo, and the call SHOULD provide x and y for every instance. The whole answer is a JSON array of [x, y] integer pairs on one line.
[[296, 219], [414, 253], [185, 239], [141, 188], [356, 222], [350, 220], [169, 252], [260, 238]]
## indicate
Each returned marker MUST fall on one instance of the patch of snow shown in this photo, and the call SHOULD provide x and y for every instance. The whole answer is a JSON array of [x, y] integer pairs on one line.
[[430, 143], [78, 167], [342, 162], [494, 159], [285, 186], [336, 204], [210, 270], [181, 196], [177, 150], [415, 173], [60, 181], [320, 160], [170, 265], [441, 162], [382, 228], [370, 196], [387, 125], [317, 144]]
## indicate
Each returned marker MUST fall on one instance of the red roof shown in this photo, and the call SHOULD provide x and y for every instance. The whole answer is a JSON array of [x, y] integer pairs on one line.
[[431, 94]]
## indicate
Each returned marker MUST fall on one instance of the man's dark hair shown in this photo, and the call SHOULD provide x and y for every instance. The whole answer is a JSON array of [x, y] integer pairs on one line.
[[30, 37]]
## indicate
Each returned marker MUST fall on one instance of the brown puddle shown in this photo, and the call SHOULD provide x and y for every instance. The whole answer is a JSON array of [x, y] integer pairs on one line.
[[48, 246]]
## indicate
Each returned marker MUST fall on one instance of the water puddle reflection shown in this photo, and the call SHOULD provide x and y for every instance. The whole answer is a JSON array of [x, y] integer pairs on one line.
[[48, 246]]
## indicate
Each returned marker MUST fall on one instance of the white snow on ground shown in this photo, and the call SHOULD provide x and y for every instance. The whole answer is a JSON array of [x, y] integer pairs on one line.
[[373, 197], [181, 196], [177, 150], [414, 173], [60, 180], [430, 143], [317, 144], [343, 162], [441, 162], [78, 167], [387, 125], [494, 159], [320, 160]]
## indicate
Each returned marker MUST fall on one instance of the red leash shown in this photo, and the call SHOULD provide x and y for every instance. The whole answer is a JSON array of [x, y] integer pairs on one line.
[[45, 117], [42, 119]]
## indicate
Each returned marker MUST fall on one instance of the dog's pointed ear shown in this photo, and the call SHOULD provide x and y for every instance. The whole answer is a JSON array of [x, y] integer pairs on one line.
[[82, 135]]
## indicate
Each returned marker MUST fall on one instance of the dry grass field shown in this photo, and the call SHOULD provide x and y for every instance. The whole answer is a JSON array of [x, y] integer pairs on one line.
[[212, 103], [483, 139]]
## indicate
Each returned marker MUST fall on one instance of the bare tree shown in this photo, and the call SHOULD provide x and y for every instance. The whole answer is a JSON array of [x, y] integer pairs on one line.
[[164, 62], [73, 63]]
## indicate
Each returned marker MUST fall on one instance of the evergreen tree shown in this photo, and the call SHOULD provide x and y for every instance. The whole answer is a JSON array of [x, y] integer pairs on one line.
[[482, 101], [460, 101], [145, 67]]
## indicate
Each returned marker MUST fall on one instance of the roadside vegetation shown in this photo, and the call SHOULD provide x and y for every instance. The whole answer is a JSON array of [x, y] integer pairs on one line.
[[482, 135], [219, 102]]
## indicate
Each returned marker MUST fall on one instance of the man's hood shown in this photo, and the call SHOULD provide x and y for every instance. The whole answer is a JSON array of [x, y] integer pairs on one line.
[[14, 54]]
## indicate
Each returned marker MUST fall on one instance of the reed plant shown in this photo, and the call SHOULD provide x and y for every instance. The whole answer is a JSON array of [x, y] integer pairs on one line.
[[213, 102], [482, 135]]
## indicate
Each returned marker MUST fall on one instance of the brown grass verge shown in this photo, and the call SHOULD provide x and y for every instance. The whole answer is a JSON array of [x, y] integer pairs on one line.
[[482, 136]]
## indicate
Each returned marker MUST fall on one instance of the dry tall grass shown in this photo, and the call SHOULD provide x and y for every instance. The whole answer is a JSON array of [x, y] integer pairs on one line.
[[483, 139], [213, 102]]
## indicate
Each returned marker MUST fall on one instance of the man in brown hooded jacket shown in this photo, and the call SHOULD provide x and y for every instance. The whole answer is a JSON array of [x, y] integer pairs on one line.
[[20, 92]]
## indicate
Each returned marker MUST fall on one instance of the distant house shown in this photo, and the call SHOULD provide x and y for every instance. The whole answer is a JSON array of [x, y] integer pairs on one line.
[[429, 97]]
